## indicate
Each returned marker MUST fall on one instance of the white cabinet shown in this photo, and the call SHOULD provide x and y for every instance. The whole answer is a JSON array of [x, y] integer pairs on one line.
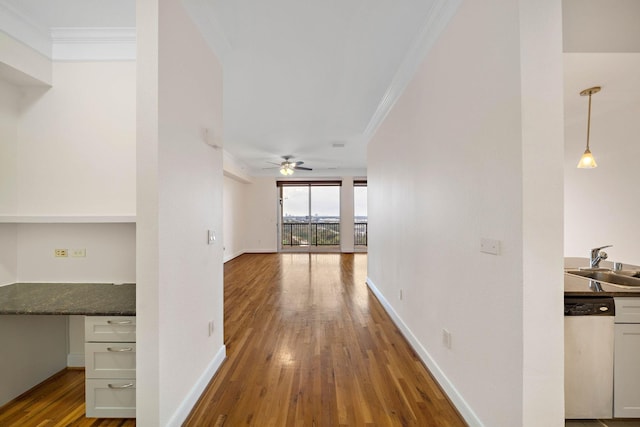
[[626, 391], [110, 354]]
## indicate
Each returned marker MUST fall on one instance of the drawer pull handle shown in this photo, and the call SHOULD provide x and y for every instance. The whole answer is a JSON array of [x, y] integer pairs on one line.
[[119, 322], [120, 386], [119, 349]]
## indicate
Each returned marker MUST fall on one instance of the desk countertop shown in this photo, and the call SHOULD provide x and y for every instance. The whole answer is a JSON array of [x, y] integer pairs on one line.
[[91, 299]]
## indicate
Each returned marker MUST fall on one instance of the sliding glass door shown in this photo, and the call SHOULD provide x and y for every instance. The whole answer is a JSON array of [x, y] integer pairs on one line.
[[310, 215]]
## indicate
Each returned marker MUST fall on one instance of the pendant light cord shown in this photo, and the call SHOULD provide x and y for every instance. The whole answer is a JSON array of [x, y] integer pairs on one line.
[[589, 122]]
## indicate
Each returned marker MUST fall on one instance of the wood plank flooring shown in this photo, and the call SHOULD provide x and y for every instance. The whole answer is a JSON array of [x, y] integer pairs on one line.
[[57, 402], [309, 345]]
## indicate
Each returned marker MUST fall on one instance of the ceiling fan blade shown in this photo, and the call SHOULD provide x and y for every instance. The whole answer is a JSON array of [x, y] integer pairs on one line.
[[297, 163], [274, 163], [302, 168]]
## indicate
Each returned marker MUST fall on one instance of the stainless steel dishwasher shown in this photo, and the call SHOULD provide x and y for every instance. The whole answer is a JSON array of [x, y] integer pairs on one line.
[[588, 357]]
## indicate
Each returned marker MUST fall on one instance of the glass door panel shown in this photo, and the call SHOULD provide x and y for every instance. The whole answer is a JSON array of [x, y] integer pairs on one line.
[[325, 219]]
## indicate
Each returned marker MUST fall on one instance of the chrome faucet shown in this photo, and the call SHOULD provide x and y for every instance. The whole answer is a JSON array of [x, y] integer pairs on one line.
[[597, 255]]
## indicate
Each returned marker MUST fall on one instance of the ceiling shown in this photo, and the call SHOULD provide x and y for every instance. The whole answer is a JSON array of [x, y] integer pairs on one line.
[[307, 79], [314, 79]]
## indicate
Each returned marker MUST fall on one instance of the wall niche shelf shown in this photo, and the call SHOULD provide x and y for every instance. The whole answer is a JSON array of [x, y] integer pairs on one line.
[[66, 219]]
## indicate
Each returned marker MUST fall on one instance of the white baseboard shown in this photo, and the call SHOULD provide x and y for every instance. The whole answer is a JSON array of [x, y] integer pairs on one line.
[[190, 400], [458, 401], [75, 360], [232, 256]]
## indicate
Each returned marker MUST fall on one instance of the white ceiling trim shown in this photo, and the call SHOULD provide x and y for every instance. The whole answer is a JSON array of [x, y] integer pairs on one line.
[[93, 44], [440, 15], [24, 29]]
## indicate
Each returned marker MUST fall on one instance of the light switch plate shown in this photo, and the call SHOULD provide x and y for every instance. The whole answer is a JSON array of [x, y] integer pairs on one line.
[[211, 237], [489, 246]]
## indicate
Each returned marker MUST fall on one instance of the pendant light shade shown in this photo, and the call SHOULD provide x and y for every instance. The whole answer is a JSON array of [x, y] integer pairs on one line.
[[587, 161]]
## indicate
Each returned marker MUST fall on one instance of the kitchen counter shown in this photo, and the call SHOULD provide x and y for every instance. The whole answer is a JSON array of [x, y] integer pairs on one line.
[[580, 286], [90, 299]]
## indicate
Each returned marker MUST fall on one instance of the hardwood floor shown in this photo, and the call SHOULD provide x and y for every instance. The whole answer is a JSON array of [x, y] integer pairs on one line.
[[57, 402], [309, 345]]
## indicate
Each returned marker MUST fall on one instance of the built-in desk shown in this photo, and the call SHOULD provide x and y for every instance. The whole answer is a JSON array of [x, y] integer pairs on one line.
[[34, 326], [89, 299]]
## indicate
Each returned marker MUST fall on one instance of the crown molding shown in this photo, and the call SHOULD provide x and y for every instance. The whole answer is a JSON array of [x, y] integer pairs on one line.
[[24, 29], [67, 44], [438, 18], [93, 44]]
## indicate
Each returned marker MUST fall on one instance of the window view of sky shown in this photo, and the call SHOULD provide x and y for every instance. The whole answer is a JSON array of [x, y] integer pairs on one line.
[[325, 201], [360, 201]]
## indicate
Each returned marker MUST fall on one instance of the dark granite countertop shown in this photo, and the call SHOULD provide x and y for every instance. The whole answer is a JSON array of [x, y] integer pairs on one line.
[[91, 299], [581, 286]]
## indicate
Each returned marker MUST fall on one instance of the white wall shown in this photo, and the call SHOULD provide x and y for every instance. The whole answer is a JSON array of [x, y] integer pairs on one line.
[[463, 137], [110, 253], [601, 205], [33, 348], [9, 111], [261, 223], [179, 276], [8, 254], [76, 152], [234, 217]]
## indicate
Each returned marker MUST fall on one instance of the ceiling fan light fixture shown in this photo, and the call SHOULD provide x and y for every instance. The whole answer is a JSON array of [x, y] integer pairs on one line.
[[587, 161], [286, 169]]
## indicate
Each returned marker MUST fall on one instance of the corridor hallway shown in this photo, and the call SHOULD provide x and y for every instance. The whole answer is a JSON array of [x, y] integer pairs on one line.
[[309, 345]]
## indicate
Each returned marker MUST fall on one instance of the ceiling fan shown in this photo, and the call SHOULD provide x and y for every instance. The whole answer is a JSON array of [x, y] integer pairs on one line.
[[288, 166]]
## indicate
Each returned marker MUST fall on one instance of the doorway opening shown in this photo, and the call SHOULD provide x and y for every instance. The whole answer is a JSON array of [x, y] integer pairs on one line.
[[309, 216]]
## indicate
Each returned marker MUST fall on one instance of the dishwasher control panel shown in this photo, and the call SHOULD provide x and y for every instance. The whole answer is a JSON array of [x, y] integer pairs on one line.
[[586, 306]]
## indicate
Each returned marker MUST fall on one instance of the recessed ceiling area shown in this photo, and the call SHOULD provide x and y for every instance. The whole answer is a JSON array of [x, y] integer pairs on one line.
[[302, 77]]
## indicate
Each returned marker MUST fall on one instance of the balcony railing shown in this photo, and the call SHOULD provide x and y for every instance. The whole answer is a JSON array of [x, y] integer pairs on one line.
[[360, 234], [320, 234], [314, 234]]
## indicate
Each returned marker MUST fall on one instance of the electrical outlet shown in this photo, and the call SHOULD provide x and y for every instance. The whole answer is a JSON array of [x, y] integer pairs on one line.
[[446, 338], [489, 246], [61, 253], [211, 329], [78, 253]]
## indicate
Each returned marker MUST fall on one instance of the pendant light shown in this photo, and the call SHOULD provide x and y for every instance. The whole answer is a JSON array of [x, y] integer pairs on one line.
[[587, 160]]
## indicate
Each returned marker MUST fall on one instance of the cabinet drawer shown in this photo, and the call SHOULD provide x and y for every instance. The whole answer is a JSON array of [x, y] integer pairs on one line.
[[110, 328], [110, 398], [627, 310], [110, 360]]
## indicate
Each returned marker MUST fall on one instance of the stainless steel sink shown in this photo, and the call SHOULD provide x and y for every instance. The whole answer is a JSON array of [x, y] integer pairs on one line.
[[623, 278]]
